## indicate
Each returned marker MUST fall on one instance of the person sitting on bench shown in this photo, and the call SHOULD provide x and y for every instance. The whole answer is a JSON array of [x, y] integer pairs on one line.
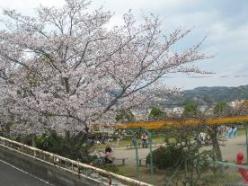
[[108, 154]]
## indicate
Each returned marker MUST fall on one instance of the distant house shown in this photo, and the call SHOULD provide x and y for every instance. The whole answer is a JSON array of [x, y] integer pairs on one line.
[[174, 111], [203, 108], [235, 103], [140, 114]]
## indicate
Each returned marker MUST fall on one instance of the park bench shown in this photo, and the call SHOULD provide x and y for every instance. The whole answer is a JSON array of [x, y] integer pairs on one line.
[[100, 154], [139, 145], [142, 162], [131, 146], [123, 160]]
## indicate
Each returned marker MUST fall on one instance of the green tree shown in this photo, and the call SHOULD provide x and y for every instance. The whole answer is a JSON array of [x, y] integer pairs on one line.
[[242, 108], [221, 109], [156, 113], [183, 157], [74, 146], [191, 109]]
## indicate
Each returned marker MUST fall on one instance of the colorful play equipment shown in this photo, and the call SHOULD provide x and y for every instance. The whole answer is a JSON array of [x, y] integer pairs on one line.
[[242, 171], [167, 123], [193, 122], [134, 133]]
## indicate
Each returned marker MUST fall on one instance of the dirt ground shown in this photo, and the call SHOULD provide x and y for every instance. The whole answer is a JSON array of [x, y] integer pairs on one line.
[[229, 148]]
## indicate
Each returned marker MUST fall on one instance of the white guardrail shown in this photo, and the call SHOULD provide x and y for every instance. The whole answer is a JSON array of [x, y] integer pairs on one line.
[[75, 167]]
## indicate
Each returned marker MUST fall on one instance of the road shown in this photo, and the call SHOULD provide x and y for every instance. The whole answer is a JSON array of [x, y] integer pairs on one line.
[[12, 176]]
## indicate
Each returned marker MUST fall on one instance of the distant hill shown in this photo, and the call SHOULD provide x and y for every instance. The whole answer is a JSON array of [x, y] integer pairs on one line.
[[207, 95]]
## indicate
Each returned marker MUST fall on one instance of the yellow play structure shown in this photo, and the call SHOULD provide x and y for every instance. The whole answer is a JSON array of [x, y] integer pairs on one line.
[[167, 123]]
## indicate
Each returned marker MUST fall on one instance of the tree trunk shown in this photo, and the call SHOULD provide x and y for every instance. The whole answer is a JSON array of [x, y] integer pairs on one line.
[[216, 145]]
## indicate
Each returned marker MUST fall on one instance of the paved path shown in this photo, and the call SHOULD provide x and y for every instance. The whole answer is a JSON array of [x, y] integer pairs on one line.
[[11, 176], [229, 150], [130, 154], [232, 147]]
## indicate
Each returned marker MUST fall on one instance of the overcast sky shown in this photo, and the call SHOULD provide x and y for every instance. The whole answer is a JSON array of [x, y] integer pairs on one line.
[[224, 22]]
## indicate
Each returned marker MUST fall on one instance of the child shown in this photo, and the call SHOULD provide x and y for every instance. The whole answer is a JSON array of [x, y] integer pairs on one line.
[[144, 139]]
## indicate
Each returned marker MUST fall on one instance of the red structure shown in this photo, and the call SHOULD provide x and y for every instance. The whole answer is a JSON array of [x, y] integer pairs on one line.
[[242, 171]]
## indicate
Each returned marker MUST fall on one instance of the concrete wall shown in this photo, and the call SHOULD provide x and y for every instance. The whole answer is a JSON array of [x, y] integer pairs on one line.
[[46, 171]]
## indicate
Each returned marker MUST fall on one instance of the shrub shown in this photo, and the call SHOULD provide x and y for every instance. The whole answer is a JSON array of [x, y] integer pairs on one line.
[[167, 157], [71, 146], [110, 167], [156, 113]]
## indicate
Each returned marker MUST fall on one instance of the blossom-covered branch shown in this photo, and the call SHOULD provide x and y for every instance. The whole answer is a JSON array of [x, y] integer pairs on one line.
[[63, 69]]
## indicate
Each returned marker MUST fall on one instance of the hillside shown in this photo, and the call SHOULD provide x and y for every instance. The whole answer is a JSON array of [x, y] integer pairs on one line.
[[208, 95]]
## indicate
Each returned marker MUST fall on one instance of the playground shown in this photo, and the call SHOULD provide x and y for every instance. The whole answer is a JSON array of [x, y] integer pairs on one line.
[[131, 158], [229, 149]]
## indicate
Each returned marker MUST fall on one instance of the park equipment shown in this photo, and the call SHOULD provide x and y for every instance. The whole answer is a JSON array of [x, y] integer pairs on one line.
[[242, 171], [191, 122], [134, 133], [194, 122]]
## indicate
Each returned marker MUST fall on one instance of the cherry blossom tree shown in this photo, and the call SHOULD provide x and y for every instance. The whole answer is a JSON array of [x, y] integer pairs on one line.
[[64, 68]]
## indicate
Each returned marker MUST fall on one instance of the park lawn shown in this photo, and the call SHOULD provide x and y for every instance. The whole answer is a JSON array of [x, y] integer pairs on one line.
[[230, 176], [157, 179]]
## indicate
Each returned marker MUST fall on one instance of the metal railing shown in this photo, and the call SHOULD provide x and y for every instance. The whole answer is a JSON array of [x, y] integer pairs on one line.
[[75, 167]]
